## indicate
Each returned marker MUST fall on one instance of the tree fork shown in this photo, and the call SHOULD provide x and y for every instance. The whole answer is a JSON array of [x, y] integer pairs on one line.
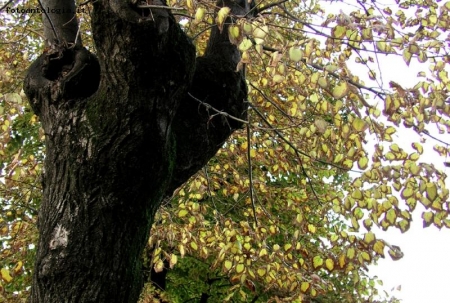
[[121, 133]]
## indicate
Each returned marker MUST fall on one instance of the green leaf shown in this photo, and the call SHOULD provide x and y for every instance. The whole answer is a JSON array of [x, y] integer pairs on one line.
[[317, 261]]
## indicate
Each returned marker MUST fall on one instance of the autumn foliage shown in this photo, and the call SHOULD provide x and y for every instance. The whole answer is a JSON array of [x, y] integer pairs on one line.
[[290, 209]]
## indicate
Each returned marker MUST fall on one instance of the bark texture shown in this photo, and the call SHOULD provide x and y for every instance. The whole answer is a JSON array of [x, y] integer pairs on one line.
[[122, 132]]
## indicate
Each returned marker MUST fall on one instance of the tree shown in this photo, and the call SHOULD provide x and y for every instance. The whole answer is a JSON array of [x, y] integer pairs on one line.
[[122, 132], [126, 127]]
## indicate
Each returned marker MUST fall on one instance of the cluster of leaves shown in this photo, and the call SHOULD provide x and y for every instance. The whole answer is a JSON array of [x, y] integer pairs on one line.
[[286, 210], [276, 210]]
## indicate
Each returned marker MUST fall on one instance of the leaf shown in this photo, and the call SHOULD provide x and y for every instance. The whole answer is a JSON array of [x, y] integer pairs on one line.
[[317, 262], [339, 31], [431, 191], [295, 54], [194, 246], [240, 268], [159, 266], [340, 90], [182, 213], [359, 124], [227, 265], [427, 218], [369, 238], [379, 248], [245, 45], [222, 15], [5, 275], [304, 286], [173, 260], [199, 14], [329, 264]]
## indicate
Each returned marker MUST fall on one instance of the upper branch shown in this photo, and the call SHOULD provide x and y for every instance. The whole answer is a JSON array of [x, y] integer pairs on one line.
[[199, 131], [60, 22]]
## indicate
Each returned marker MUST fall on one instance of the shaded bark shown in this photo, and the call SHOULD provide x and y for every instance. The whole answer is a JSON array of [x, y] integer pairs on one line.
[[121, 133]]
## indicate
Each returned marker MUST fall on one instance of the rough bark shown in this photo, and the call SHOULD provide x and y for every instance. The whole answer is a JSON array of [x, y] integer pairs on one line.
[[121, 133]]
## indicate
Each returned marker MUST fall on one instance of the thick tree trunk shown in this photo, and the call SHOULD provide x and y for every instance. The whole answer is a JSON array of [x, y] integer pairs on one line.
[[121, 133]]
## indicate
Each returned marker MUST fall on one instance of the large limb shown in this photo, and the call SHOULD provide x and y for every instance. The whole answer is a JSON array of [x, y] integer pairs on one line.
[[199, 132]]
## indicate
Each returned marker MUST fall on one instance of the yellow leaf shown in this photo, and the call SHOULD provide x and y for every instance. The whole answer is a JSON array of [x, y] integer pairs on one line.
[[5, 275], [159, 266], [278, 78], [339, 31], [431, 191], [329, 263], [18, 267], [199, 14], [359, 124], [222, 15], [182, 213], [379, 248], [340, 90], [369, 238], [190, 4], [194, 246], [362, 162], [261, 272], [304, 286], [173, 260]]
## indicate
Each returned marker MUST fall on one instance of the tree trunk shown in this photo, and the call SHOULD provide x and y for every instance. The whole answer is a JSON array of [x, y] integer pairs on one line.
[[122, 132]]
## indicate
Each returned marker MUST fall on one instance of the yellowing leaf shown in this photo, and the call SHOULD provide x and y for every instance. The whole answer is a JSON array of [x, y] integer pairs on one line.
[[304, 286], [5, 275], [159, 266], [295, 54], [431, 191], [261, 272], [245, 45], [329, 264], [240, 268], [227, 264], [379, 248], [222, 15], [173, 260], [339, 31], [199, 14], [340, 90], [362, 162], [182, 213], [194, 246], [369, 238], [359, 124]]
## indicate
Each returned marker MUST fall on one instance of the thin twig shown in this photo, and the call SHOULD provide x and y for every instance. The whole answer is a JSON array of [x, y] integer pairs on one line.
[[271, 5], [250, 173], [216, 110], [160, 7]]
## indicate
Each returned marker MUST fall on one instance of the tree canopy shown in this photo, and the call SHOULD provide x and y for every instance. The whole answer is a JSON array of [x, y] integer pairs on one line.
[[286, 209]]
